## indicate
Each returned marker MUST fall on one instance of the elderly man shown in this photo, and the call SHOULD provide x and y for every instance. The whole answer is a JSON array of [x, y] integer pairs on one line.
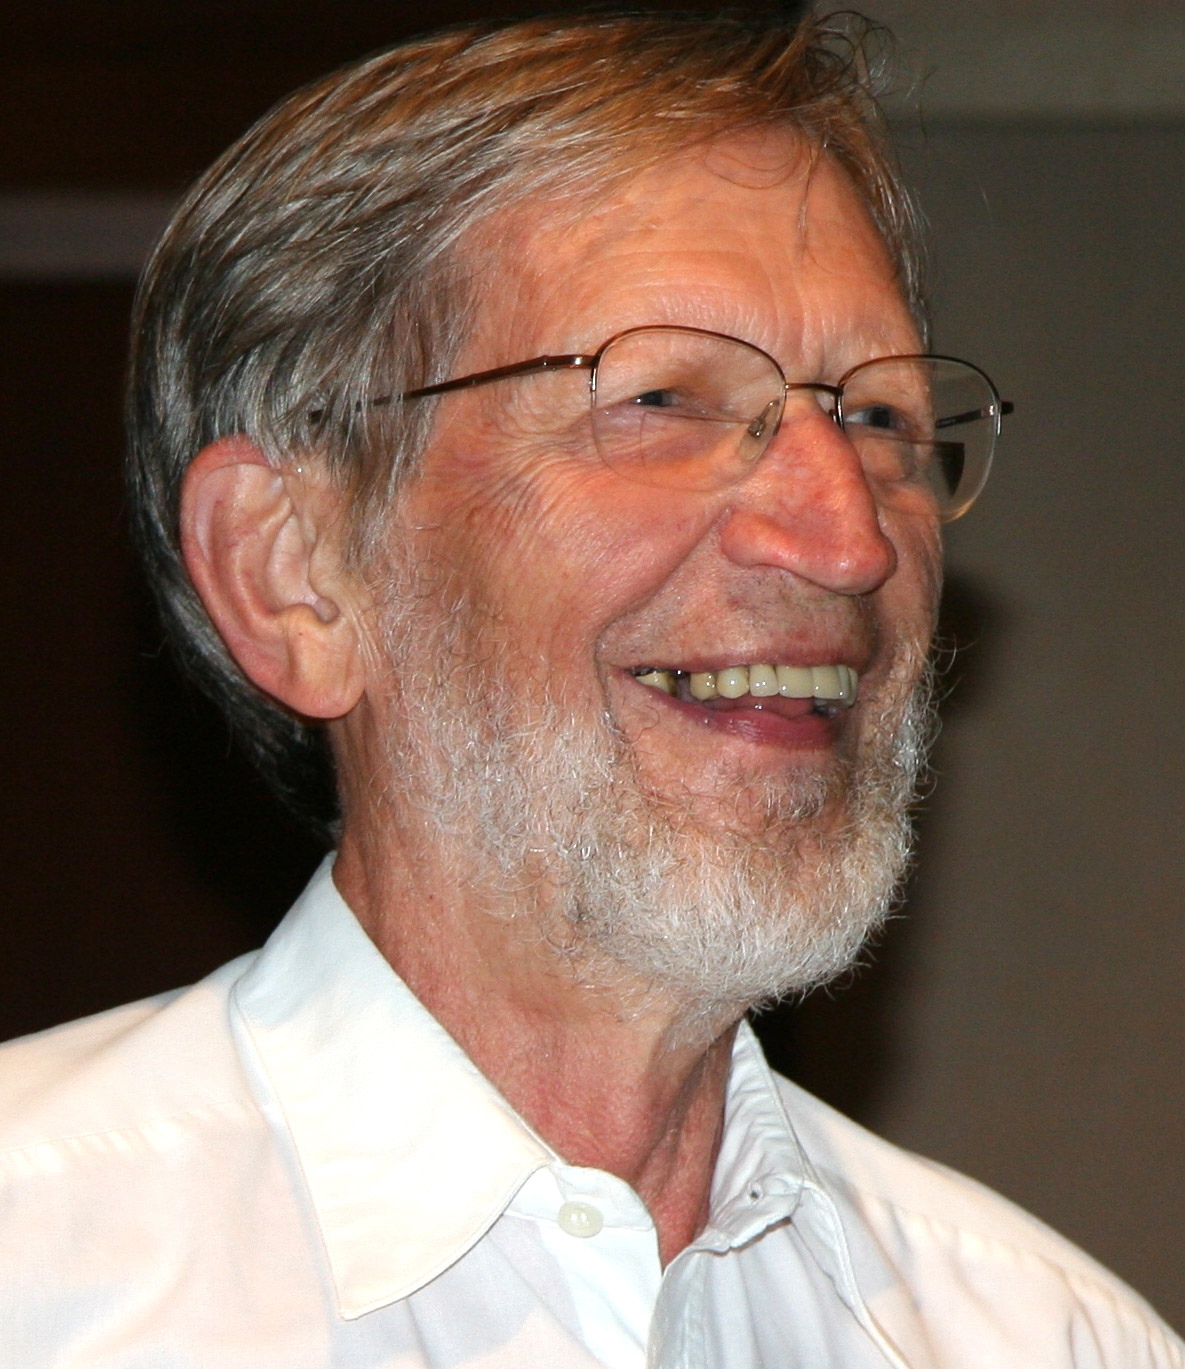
[[535, 421]]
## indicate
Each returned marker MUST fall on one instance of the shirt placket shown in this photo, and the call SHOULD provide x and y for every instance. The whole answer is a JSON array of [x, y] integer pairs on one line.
[[605, 1245]]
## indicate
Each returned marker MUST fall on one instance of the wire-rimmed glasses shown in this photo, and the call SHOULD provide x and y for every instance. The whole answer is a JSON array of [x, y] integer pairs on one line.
[[685, 408]]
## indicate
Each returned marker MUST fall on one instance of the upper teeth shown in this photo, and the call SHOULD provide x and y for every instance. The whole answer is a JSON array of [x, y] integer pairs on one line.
[[836, 683]]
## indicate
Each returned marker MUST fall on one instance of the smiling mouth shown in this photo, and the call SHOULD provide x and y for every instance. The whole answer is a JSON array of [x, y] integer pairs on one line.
[[828, 687]]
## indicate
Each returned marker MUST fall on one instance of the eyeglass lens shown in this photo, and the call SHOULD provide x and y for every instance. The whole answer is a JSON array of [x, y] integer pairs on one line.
[[687, 410]]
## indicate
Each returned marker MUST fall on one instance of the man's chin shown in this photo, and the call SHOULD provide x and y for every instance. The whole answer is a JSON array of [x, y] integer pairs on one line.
[[720, 923], [767, 886]]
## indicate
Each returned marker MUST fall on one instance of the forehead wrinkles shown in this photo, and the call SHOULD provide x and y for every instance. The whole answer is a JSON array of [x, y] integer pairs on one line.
[[747, 236], [528, 259]]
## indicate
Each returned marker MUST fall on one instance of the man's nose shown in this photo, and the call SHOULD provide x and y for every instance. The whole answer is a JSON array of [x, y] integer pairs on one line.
[[807, 508]]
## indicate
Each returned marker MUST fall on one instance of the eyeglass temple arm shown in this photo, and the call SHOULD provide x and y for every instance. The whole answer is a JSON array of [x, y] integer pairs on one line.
[[1006, 407], [520, 368]]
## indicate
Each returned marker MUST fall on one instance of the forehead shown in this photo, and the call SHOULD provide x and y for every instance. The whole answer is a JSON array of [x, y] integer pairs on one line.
[[749, 235]]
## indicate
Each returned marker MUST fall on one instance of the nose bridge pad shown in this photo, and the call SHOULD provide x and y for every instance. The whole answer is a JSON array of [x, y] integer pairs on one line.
[[766, 423]]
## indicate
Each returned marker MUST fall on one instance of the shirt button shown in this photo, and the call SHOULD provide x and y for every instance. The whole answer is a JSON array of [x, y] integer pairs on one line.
[[580, 1219]]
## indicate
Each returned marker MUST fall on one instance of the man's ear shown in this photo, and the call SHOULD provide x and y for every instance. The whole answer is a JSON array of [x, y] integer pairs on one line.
[[262, 546]]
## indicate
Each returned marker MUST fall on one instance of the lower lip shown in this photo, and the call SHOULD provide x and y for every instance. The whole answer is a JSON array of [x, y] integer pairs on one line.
[[808, 731]]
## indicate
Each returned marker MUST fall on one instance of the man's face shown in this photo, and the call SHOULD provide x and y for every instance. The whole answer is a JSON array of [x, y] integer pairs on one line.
[[544, 581]]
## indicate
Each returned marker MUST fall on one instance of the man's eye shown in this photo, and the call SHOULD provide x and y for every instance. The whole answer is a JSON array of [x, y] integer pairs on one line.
[[883, 417], [682, 401]]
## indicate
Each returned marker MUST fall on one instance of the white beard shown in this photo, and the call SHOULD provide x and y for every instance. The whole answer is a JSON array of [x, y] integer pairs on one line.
[[714, 908]]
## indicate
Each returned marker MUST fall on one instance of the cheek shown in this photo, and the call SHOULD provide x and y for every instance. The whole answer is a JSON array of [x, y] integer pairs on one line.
[[909, 602], [929, 557], [552, 551]]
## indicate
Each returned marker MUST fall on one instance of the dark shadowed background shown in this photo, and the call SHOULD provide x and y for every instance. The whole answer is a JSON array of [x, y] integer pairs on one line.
[[1021, 1022]]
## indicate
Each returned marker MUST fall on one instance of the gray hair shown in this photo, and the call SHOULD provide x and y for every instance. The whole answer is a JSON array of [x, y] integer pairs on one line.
[[315, 267]]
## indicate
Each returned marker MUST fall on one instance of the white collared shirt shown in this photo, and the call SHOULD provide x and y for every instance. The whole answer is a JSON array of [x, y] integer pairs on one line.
[[292, 1166]]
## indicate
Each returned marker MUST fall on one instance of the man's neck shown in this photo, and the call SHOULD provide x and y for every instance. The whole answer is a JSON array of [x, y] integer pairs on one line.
[[603, 1069]]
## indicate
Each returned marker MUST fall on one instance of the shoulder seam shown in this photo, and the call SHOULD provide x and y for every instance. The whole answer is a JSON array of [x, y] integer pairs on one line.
[[134, 1128]]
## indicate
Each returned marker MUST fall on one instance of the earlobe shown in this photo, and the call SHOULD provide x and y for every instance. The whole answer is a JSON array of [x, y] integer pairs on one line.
[[262, 548]]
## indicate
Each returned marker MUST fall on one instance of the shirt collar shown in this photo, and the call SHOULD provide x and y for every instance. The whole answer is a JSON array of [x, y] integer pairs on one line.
[[765, 1177], [761, 1170], [408, 1152]]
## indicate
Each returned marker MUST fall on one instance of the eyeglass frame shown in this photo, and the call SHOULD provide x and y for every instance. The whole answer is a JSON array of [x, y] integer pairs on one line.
[[591, 360]]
